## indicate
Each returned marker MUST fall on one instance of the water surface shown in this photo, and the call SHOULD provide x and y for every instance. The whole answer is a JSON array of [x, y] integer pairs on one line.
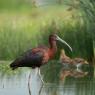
[[15, 83]]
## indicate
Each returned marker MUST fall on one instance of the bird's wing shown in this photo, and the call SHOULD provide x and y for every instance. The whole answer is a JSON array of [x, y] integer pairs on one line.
[[31, 58], [34, 54], [42, 53]]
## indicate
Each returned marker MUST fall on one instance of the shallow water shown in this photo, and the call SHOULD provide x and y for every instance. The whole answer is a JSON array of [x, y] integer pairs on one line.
[[16, 84]]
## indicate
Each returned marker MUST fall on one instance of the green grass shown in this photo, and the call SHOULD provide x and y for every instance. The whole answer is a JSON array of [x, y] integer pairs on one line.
[[24, 29], [21, 30], [15, 4]]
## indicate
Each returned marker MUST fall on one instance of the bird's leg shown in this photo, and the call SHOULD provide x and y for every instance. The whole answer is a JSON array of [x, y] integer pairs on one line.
[[36, 71], [29, 83], [40, 89], [40, 75], [41, 80]]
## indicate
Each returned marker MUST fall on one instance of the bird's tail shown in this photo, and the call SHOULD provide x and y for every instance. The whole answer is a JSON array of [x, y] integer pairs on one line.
[[15, 64], [13, 67]]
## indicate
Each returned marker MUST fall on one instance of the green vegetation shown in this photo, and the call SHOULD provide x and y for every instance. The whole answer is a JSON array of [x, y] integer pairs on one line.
[[24, 29], [15, 4]]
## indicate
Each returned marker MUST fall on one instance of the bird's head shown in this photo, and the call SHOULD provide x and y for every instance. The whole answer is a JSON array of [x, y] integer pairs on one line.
[[86, 62], [81, 60], [54, 38]]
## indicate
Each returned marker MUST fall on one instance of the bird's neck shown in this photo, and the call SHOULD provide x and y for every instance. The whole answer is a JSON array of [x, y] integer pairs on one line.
[[53, 46], [52, 49]]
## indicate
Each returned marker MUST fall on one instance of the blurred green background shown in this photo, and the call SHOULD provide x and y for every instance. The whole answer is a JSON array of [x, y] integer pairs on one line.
[[25, 23]]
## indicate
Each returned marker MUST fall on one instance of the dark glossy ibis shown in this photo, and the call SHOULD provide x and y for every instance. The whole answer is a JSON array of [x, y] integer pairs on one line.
[[39, 56]]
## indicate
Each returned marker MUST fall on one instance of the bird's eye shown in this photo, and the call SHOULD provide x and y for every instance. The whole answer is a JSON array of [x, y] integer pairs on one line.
[[53, 38]]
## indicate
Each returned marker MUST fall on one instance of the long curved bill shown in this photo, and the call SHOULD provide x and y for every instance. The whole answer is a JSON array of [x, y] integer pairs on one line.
[[58, 38]]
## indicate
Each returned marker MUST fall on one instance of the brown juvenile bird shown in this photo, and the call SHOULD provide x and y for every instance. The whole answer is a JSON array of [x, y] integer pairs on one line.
[[64, 58], [71, 67]]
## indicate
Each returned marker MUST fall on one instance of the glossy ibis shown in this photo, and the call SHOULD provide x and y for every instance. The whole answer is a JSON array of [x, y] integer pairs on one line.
[[39, 56]]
